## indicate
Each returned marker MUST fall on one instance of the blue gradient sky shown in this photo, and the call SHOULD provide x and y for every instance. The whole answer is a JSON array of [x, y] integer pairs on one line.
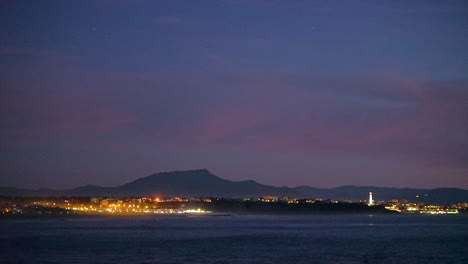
[[321, 93]]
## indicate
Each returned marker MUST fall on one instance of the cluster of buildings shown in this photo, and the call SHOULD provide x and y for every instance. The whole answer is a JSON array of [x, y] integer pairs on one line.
[[276, 199], [173, 205], [403, 206], [290, 200], [180, 205]]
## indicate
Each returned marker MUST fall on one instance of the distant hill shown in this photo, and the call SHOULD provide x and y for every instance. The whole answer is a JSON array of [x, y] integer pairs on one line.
[[350, 192], [192, 183], [199, 183], [196, 183]]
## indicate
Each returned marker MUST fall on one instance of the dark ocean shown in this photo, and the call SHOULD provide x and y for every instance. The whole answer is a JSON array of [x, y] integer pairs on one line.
[[238, 239]]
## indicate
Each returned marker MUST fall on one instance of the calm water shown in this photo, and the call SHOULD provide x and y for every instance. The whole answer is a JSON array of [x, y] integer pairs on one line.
[[238, 239]]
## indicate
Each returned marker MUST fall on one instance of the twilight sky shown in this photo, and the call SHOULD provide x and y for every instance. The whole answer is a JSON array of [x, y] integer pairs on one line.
[[320, 93]]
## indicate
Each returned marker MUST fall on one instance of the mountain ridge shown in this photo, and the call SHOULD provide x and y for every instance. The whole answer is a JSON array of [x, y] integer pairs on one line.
[[203, 183]]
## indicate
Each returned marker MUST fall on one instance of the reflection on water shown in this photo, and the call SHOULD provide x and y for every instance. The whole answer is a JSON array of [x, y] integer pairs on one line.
[[238, 239]]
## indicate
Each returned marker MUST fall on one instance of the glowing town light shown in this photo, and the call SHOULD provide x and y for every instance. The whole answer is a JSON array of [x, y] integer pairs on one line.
[[371, 201]]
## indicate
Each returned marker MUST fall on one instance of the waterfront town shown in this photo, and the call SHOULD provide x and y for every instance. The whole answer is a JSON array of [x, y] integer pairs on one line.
[[199, 205]]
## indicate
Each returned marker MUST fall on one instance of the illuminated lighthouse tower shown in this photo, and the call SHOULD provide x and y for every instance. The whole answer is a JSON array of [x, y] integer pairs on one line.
[[371, 200]]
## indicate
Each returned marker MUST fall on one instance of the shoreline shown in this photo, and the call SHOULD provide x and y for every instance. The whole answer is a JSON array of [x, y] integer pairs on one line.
[[139, 216], [80, 215]]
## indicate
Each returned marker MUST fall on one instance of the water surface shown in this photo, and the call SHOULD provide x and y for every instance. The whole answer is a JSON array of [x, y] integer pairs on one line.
[[238, 239]]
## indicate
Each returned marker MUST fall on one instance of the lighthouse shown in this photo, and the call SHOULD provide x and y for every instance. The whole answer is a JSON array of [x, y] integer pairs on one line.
[[371, 200]]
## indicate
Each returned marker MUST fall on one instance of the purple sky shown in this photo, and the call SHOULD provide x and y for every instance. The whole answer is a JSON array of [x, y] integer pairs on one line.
[[320, 93]]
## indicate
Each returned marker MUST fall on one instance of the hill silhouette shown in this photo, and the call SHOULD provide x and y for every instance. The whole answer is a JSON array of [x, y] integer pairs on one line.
[[202, 183]]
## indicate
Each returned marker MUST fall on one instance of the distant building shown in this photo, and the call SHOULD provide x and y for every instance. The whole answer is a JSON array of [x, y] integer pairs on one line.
[[371, 200], [269, 199]]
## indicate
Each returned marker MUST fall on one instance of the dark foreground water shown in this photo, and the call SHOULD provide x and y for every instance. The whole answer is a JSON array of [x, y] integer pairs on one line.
[[238, 239]]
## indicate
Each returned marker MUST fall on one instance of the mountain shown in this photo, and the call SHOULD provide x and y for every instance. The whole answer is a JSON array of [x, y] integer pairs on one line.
[[199, 183], [192, 183], [196, 183]]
